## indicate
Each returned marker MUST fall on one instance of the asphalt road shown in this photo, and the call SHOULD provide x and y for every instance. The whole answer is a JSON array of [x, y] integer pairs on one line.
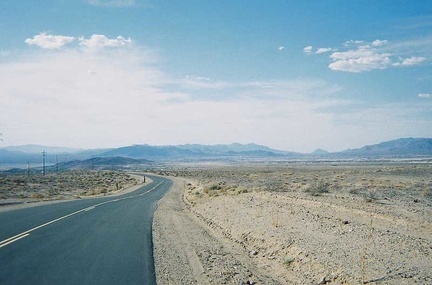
[[91, 241]]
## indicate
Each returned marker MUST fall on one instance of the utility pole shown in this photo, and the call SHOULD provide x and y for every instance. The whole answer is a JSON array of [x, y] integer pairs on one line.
[[57, 163], [28, 169], [43, 162]]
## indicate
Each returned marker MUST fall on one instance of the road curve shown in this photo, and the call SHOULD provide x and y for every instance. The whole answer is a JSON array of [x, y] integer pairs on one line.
[[104, 240]]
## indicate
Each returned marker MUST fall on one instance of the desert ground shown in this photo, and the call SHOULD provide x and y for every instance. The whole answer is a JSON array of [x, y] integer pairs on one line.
[[20, 190], [296, 224], [292, 223]]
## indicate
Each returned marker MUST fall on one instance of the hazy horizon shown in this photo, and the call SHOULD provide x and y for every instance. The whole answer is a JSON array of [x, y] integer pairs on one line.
[[290, 75], [66, 149]]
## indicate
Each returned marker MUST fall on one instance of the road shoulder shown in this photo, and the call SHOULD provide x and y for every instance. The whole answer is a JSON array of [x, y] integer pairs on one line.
[[187, 251]]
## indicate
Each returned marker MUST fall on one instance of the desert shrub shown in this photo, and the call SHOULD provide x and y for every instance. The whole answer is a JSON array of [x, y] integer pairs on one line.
[[370, 196], [242, 190], [318, 189], [288, 260], [215, 187], [52, 191], [354, 190], [427, 192]]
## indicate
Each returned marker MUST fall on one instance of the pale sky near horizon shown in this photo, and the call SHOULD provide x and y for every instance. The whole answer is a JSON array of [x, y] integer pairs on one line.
[[291, 75]]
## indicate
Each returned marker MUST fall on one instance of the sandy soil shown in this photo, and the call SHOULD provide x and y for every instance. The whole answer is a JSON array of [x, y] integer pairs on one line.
[[187, 251], [18, 191], [302, 225]]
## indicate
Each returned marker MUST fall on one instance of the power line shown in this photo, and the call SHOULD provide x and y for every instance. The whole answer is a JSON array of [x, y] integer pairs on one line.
[[43, 162]]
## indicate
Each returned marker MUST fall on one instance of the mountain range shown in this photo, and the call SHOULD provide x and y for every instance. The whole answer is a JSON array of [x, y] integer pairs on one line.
[[399, 148]]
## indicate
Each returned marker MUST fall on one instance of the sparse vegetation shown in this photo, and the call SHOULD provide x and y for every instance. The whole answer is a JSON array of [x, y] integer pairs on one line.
[[318, 188], [326, 210], [288, 260], [63, 184], [370, 196]]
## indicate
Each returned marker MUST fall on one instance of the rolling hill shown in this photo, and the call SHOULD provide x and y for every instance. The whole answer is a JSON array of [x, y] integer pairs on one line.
[[404, 147]]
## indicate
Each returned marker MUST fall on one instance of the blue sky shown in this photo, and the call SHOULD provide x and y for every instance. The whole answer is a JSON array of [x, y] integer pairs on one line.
[[292, 75]]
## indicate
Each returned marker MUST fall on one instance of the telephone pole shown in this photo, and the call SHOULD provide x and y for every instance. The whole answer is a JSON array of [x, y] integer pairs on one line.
[[43, 162]]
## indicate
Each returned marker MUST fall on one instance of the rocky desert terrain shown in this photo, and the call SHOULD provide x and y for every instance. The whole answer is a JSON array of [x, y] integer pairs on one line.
[[16, 189], [294, 223], [297, 224]]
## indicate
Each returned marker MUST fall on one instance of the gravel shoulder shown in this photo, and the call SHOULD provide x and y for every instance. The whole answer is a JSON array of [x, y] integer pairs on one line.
[[188, 251]]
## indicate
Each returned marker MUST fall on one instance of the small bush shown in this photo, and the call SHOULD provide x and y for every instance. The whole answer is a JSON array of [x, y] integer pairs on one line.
[[288, 260], [37, 196], [370, 196], [215, 187], [317, 189], [427, 192], [354, 191]]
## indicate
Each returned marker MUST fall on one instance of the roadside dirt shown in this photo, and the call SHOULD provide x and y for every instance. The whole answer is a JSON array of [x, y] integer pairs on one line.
[[188, 251], [368, 226]]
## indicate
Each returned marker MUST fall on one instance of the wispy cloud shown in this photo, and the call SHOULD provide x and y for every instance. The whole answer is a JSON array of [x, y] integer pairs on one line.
[[112, 3], [378, 43], [425, 95], [414, 60], [99, 41], [361, 56], [83, 98], [45, 41], [308, 50], [323, 50], [206, 89], [352, 42]]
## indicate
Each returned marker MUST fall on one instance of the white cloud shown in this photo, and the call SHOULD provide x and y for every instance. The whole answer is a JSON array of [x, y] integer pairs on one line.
[[378, 43], [99, 41], [425, 95], [308, 49], [361, 56], [352, 42], [414, 60], [364, 58], [112, 3], [281, 48], [323, 50], [43, 40]]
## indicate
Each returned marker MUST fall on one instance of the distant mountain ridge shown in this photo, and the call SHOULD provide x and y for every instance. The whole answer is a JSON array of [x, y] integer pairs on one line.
[[404, 147], [195, 151], [400, 147]]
